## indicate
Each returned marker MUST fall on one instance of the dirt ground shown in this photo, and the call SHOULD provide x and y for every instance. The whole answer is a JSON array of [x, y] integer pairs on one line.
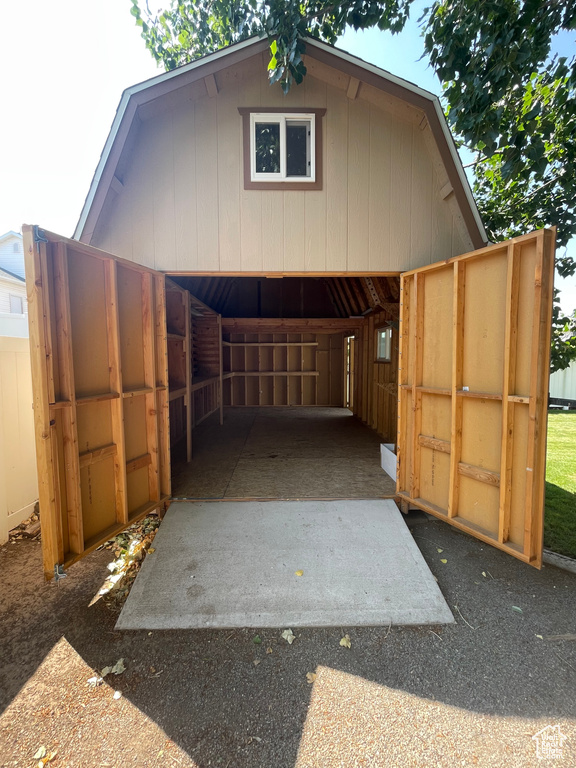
[[471, 694]]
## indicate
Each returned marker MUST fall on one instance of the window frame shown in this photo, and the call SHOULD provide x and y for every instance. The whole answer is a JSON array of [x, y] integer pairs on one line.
[[251, 115], [12, 296], [383, 329]]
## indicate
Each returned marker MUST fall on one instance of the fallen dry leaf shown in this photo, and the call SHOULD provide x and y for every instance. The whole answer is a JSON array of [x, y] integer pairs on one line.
[[256, 662], [151, 549], [93, 682], [443, 561], [439, 550], [47, 759], [311, 676], [299, 573], [40, 753], [268, 650], [345, 641], [117, 669], [289, 636]]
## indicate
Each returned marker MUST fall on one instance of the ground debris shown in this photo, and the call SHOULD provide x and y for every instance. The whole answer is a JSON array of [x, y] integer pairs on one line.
[[289, 636], [117, 669], [129, 548], [27, 529]]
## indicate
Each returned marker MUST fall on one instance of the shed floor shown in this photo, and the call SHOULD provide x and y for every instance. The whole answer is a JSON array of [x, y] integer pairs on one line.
[[283, 564], [282, 453]]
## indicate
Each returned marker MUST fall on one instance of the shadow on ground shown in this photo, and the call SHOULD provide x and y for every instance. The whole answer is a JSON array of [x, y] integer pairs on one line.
[[472, 693]]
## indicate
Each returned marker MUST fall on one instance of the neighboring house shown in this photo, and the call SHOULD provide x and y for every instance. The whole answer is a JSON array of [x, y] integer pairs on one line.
[[314, 249], [563, 386], [13, 302], [18, 484]]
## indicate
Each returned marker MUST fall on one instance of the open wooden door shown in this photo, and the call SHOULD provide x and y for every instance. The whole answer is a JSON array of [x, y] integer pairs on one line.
[[473, 391], [100, 383]]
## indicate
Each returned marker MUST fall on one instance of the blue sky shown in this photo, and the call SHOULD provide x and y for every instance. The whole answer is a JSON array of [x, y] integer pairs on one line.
[[62, 71]]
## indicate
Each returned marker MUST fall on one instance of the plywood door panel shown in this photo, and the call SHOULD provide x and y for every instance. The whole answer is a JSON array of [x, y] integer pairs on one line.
[[93, 334], [475, 345]]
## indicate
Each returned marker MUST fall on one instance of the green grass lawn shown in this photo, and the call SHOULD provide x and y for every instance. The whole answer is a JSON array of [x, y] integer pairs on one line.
[[560, 515]]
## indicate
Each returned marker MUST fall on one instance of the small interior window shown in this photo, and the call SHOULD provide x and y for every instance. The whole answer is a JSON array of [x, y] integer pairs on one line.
[[384, 345]]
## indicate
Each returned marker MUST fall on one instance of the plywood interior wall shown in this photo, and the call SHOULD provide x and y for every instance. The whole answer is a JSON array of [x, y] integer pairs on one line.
[[97, 334], [266, 369], [474, 354], [194, 362], [375, 384], [179, 202]]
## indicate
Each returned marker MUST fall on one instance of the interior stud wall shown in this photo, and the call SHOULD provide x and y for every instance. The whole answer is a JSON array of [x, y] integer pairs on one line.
[[99, 384], [471, 442]]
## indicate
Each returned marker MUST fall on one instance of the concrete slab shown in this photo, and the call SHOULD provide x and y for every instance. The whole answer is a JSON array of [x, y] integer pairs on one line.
[[233, 564]]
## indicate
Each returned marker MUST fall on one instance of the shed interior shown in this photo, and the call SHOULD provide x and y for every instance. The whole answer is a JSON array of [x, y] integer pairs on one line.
[[282, 368]]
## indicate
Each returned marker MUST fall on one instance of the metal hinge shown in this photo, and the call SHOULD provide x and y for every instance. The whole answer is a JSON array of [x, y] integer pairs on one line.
[[59, 573], [39, 235]]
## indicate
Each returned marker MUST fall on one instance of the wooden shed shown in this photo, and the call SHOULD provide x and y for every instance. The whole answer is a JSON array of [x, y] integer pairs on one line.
[[242, 248]]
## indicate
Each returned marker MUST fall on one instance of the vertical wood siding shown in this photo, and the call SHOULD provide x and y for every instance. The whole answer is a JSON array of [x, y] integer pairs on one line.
[[183, 207]]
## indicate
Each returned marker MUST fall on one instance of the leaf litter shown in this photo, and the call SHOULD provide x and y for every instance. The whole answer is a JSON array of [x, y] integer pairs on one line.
[[289, 636], [116, 669], [129, 549]]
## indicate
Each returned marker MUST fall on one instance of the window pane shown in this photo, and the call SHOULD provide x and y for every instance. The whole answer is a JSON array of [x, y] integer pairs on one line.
[[297, 148], [267, 144], [384, 345], [16, 306]]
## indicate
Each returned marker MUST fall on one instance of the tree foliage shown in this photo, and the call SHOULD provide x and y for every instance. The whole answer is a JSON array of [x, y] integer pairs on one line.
[[506, 97]]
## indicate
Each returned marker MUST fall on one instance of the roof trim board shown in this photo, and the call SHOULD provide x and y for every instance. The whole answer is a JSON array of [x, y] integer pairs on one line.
[[148, 90]]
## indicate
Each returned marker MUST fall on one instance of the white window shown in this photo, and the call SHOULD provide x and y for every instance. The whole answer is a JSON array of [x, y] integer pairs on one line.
[[16, 305], [384, 345], [282, 147], [15, 248]]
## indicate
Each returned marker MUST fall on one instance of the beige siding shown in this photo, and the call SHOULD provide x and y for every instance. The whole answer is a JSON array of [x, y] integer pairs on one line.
[[183, 206], [18, 484]]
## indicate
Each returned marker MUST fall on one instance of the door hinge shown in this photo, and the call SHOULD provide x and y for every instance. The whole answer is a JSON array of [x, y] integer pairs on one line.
[[59, 573], [39, 235]]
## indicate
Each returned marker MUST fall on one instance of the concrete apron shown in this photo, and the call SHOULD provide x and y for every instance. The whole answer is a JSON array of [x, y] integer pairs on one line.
[[238, 564]]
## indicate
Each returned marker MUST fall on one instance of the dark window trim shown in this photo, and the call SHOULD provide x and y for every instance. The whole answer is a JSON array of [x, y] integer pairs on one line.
[[303, 186]]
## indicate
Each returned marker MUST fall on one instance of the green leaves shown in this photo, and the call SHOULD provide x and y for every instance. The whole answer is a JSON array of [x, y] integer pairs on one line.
[[505, 96]]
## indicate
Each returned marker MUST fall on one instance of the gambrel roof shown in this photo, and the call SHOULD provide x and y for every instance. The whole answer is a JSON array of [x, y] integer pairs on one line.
[[318, 55]]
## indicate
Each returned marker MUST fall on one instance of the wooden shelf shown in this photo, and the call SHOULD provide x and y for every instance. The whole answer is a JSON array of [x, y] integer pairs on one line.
[[478, 395], [270, 343], [234, 374], [97, 398], [203, 382], [137, 392], [176, 393]]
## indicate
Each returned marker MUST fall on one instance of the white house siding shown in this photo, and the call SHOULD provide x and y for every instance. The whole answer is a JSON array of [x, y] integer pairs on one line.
[[183, 207], [563, 383], [9, 259]]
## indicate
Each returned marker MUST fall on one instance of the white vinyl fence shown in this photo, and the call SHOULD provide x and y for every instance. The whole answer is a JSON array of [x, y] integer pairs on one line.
[[18, 483], [563, 383]]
